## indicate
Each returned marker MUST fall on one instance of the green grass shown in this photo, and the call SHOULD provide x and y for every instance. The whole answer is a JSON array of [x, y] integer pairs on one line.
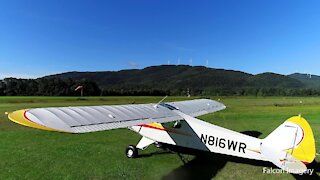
[[27, 153]]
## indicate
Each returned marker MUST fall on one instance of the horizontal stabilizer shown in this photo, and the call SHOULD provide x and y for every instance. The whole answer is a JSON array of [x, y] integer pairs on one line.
[[283, 160]]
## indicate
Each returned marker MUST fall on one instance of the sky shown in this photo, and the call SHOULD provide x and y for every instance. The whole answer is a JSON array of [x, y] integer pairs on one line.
[[39, 38]]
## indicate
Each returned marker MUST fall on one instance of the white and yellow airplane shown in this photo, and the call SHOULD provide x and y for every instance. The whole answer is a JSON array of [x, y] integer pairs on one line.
[[290, 147]]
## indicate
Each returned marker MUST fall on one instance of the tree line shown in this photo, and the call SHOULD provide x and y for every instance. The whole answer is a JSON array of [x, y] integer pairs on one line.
[[55, 86], [47, 87]]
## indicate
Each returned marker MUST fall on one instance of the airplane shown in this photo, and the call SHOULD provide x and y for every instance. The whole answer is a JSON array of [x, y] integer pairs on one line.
[[290, 146]]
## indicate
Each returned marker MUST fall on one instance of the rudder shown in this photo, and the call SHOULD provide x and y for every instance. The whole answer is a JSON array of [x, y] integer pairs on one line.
[[291, 141]]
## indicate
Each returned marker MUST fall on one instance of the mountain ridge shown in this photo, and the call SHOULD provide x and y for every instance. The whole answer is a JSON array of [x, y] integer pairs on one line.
[[165, 80], [185, 76]]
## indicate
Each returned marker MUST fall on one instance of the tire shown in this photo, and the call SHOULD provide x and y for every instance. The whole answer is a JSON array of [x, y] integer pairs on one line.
[[157, 144], [131, 151]]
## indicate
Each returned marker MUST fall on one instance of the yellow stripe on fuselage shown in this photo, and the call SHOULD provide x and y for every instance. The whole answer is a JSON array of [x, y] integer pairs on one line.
[[157, 125]]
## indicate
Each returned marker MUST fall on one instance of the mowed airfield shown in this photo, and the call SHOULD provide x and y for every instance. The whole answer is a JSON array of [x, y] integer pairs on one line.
[[28, 153]]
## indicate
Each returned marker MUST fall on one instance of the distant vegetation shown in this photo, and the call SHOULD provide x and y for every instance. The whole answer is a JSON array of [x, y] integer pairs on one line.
[[53, 86], [165, 80]]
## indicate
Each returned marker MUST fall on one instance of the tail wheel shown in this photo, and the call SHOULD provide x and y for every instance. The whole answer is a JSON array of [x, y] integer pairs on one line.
[[131, 151]]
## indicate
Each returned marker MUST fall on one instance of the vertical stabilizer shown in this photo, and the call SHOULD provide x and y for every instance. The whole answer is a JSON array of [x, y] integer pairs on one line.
[[291, 145]]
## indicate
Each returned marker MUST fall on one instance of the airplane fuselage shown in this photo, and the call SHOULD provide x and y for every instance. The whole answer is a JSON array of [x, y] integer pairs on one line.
[[195, 134]]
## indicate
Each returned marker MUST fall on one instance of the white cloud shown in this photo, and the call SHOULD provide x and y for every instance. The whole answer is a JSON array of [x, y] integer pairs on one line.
[[133, 64]]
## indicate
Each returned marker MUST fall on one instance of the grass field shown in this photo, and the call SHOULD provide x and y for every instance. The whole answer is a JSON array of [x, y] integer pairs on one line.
[[27, 153]]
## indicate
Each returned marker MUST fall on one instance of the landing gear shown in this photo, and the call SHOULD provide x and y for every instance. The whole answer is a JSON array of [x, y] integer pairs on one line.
[[158, 145], [177, 124], [131, 151]]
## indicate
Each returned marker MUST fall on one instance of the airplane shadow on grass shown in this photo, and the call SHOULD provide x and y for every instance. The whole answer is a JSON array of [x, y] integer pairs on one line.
[[154, 153], [207, 165], [316, 167]]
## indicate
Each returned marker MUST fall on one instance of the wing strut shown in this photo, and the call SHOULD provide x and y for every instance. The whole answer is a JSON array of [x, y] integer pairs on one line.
[[156, 105]]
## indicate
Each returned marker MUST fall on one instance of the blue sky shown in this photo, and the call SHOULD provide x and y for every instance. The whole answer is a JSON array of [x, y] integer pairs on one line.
[[39, 37]]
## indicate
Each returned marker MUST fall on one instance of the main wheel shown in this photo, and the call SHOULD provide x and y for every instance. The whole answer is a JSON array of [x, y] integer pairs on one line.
[[131, 151], [157, 144]]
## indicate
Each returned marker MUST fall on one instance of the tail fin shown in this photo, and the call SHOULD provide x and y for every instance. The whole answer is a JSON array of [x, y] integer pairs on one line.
[[291, 145]]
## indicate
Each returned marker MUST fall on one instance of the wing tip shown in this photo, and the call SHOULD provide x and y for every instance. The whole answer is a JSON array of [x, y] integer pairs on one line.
[[20, 117]]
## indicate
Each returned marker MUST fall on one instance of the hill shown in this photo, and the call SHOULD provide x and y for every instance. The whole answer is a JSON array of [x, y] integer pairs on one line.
[[178, 78], [309, 81], [267, 80]]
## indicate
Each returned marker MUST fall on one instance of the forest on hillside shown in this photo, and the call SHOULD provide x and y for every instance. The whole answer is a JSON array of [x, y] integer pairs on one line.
[[55, 86]]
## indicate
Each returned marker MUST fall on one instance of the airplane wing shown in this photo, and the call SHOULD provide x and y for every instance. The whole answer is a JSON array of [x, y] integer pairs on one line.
[[84, 119]]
